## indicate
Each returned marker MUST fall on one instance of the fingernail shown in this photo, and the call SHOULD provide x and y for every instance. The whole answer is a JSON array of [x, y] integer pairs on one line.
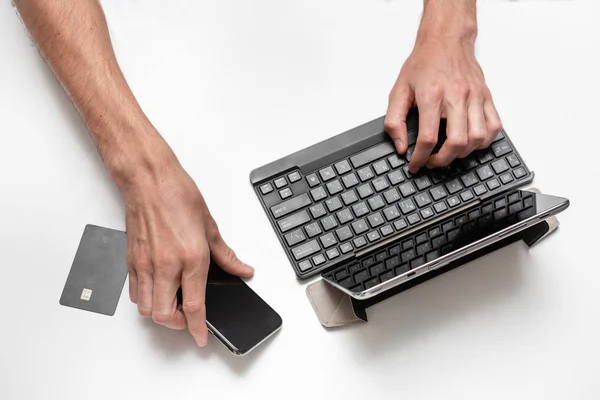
[[201, 342]]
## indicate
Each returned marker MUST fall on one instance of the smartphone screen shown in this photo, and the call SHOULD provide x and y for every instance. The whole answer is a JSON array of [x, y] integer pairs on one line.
[[236, 314]]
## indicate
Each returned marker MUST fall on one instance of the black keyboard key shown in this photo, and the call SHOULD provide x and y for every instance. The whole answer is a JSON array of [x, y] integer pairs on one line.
[[344, 216], [485, 156], [342, 167], [294, 177], [313, 230], [293, 221], [346, 248], [344, 233], [419, 239], [416, 263], [407, 189], [295, 237], [440, 207], [515, 208], [499, 214], [334, 187], [339, 275], [392, 262], [359, 242], [375, 220], [349, 197], [312, 180], [422, 199], [453, 234], [438, 241], [328, 240], [354, 268], [447, 226], [360, 226], [350, 180], [514, 198], [361, 276], [318, 193], [469, 163], [500, 166], [392, 196], [333, 204], [485, 172], [371, 283], [364, 190], [466, 195], [435, 231], [438, 193], [513, 160], [493, 184], [474, 214], [437, 176], [365, 174], [347, 283], [413, 219], [380, 184], [305, 265], [400, 225], [395, 161], [519, 172], [501, 148], [423, 248], [454, 186], [317, 211], [422, 182], [285, 193], [387, 230], [329, 223], [318, 259], [372, 154], [500, 203], [280, 182], [427, 213], [486, 209], [506, 178], [453, 201], [391, 213], [380, 256], [291, 205], [266, 188], [499, 136], [407, 206], [395, 177], [404, 268], [367, 262], [409, 153], [373, 236], [469, 180], [306, 249], [376, 203], [479, 190], [432, 255], [408, 255], [381, 167], [394, 250], [327, 174], [360, 209], [387, 276]]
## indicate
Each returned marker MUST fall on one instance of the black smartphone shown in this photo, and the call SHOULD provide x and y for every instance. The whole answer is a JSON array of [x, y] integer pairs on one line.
[[235, 314]]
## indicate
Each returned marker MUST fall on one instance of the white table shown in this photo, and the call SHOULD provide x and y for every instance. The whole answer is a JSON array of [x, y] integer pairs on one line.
[[258, 80]]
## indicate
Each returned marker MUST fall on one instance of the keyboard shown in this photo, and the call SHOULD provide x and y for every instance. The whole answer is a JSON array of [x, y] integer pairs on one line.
[[404, 258], [333, 201]]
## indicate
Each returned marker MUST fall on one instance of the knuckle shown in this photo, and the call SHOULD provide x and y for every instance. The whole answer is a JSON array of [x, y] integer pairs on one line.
[[460, 88], [428, 139], [192, 305], [458, 143], [435, 92], [163, 258], [161, 318], [391, 126], [495, 127]]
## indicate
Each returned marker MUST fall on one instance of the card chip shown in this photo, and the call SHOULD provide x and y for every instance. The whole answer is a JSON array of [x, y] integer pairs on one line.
[[86, 294]]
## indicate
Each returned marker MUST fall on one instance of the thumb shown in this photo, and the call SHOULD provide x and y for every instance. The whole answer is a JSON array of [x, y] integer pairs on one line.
[[226, 258], [400, 102]]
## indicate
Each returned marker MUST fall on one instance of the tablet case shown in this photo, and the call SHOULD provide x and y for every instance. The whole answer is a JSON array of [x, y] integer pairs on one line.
[[335, 308]]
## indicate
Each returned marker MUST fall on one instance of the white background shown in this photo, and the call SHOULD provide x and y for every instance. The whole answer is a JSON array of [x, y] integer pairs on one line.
[[233, 85]]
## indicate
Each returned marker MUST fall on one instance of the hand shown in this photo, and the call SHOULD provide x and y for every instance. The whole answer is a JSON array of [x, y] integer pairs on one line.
[[444, 80], [171, 238]]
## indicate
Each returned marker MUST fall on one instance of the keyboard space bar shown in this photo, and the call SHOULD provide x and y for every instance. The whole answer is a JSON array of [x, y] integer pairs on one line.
[[372, 154]]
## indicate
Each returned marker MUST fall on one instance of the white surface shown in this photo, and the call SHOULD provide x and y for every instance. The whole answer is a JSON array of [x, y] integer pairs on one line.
[[235, 84]]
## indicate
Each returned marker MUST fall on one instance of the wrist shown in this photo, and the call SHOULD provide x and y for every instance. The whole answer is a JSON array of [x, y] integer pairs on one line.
[[450, 23]]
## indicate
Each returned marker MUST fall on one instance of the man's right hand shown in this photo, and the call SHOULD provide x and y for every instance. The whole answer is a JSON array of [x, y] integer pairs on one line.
[[171, 238]]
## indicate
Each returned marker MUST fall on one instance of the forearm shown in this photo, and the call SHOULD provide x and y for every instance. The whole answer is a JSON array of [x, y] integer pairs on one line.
[[73, 37], [450, 19]]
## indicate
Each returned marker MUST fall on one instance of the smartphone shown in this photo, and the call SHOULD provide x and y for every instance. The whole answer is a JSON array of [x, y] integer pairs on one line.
[[235, 314]]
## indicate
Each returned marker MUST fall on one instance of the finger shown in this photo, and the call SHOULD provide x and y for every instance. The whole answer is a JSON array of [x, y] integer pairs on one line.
[[133, 286], [145, 290], [193, 286], [164, 305], [477, 129], [400, 102], [456, 138], [224, 256], [429, 125], [493, 121]]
